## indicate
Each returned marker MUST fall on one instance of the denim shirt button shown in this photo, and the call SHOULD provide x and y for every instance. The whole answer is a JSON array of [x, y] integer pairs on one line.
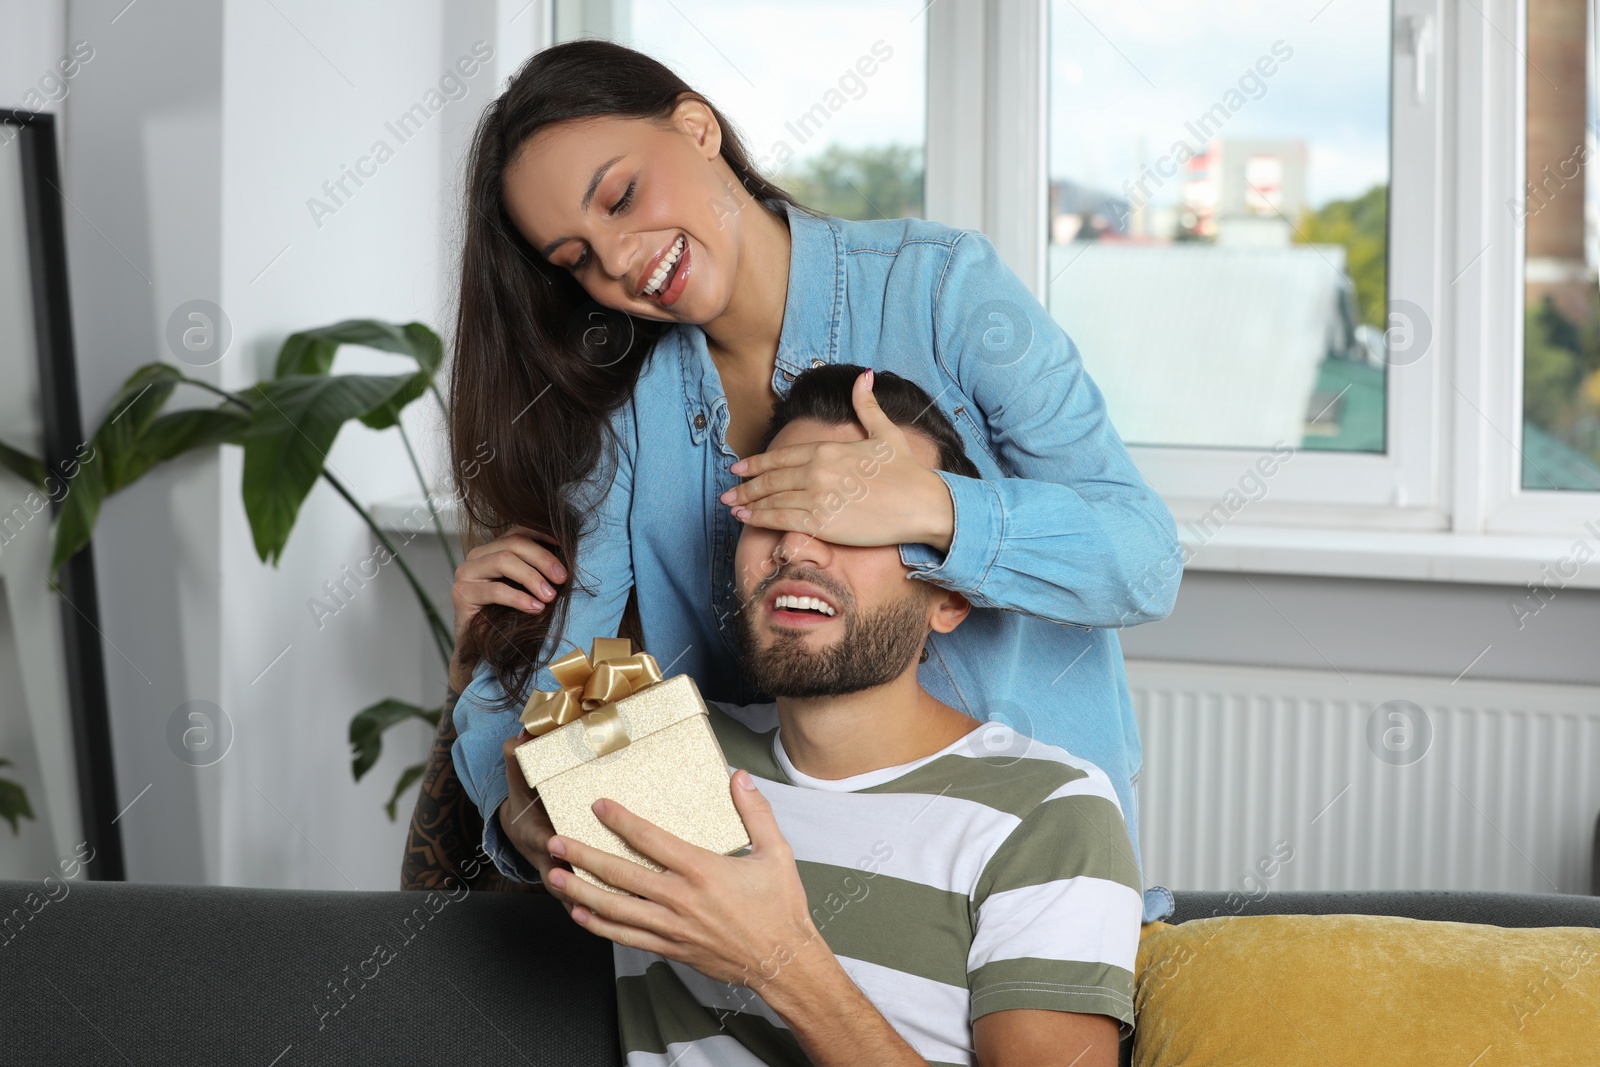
[[788, 375], [700, 420], [818, 362]]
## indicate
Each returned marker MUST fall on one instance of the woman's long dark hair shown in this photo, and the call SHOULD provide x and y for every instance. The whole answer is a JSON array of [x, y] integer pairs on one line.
[[538, 366]]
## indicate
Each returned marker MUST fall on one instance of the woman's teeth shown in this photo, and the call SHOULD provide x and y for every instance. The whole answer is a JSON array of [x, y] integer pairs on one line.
[[668, 261], [802, 602]]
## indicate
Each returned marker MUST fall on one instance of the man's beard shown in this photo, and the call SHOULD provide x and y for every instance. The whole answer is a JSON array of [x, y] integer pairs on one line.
[[876, 648]]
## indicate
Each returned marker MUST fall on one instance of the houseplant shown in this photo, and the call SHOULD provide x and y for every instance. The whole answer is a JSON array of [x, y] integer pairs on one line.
[[285, 424]]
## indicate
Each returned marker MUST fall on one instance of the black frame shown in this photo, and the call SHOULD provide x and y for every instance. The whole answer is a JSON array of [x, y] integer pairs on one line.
[[63, 433]]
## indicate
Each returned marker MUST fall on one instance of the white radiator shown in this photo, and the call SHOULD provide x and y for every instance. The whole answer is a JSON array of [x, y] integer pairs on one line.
[[1463, 785]]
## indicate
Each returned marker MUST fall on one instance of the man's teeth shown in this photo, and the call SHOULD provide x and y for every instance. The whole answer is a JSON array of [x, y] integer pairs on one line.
[[668, 261], [811, 602]]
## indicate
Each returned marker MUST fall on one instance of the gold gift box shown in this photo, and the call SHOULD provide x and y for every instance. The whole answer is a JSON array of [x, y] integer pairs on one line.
[[617, 729]]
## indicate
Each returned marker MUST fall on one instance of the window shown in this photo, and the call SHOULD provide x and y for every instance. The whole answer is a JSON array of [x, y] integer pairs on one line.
[[1354, 260], [1558, 215], [829, 96], [1218, 217], [1391, 140]]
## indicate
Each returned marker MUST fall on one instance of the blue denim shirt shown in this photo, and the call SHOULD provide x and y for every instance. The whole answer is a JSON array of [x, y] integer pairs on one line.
[[1059, 544]]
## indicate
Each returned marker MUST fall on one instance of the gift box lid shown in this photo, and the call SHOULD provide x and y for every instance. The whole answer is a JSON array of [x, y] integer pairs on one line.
[[596, 734]]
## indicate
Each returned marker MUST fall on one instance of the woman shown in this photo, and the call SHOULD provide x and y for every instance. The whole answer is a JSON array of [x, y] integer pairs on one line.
[[634, 299]]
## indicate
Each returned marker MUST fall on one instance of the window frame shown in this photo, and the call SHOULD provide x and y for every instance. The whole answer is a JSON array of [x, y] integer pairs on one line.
[[1445, 502], [1505, 507]]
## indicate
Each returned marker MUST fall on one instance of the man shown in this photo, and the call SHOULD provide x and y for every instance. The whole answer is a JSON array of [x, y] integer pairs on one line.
[[921, 887]]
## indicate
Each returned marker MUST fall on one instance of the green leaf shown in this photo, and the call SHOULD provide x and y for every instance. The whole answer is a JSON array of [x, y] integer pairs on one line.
[[369, 724], [79, 509], [407, 777], [305, 353], [292, 427], [113, 460], [134, 437], [130, 414], [387, 414], [312, 351], [24, 466], [14, 801], [178, 432], [426, 348]]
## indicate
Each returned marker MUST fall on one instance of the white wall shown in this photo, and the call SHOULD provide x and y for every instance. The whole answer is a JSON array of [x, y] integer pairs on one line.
[[194, 139], [32, 42]]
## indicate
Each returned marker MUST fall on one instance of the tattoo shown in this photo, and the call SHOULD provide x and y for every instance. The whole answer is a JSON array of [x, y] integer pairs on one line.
[[444, 848]]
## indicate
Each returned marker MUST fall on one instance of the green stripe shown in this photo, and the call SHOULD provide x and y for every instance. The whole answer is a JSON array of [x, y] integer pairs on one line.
[[1053, 985], [1014, 786], [656, 1009], [1068, 837], [745, 748], [889, 921]]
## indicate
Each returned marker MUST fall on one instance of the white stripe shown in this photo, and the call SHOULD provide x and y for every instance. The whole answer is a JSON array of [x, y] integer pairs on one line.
[[716, 996], [933, 840], [1096, 785], [855, 782], [1094, 920], [997, 741], [722, 1050], [931, 1016]]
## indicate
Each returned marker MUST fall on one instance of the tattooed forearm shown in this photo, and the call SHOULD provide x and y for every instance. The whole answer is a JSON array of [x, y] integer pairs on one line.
[[444, 848]]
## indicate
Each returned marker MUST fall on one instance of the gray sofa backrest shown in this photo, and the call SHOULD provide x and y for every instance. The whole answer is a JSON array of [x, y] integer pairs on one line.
[[109, 973], [123, 973]]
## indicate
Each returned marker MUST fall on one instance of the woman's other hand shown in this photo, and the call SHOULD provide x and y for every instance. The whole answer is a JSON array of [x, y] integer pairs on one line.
[[814, 488], [483, 579], [525, 823]]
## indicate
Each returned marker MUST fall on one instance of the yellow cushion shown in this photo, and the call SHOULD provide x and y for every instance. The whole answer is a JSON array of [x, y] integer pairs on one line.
[[1320, 990]]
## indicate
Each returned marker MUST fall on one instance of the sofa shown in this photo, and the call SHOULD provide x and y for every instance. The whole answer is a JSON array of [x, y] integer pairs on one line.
[[120, 973]]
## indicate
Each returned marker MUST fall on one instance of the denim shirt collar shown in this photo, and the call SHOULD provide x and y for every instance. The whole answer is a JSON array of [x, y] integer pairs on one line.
[[810, 333]]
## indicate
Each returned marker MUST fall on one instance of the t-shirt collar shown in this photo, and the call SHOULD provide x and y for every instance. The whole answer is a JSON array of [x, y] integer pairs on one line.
[[865, 780]]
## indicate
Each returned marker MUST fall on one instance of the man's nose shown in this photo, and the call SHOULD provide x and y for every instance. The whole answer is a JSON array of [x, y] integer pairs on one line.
[[797, 546]]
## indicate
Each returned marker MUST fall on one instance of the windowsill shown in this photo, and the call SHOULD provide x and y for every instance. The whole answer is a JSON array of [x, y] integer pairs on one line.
[[1403, 556], [409, 517], [1423, 556]]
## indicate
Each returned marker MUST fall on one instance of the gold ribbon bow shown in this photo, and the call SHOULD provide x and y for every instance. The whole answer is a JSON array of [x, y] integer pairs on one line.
[[590, 685]]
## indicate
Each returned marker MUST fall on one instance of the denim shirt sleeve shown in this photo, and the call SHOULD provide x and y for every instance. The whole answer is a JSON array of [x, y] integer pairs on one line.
[[603, 574], [1073, 534]]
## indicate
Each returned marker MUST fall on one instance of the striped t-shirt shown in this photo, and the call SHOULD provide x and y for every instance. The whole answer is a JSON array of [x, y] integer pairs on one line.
[[994, 874]]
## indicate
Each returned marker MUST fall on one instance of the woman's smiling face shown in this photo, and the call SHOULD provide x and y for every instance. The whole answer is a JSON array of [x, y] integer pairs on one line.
[[644, 214]]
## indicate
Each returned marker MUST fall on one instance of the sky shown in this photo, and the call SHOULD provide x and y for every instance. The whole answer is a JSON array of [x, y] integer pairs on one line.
[[1121, 70], [1125, 70]]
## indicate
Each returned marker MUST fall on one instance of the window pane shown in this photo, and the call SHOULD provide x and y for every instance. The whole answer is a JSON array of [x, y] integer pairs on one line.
[[1219, 180], [1561, 339], [829, 96]]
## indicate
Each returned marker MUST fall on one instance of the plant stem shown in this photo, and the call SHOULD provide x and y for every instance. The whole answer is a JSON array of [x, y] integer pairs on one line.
[[442, 636], [427, 497]]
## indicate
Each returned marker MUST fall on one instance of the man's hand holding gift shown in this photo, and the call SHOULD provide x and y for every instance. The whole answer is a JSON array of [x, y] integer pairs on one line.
[[738, 919]]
